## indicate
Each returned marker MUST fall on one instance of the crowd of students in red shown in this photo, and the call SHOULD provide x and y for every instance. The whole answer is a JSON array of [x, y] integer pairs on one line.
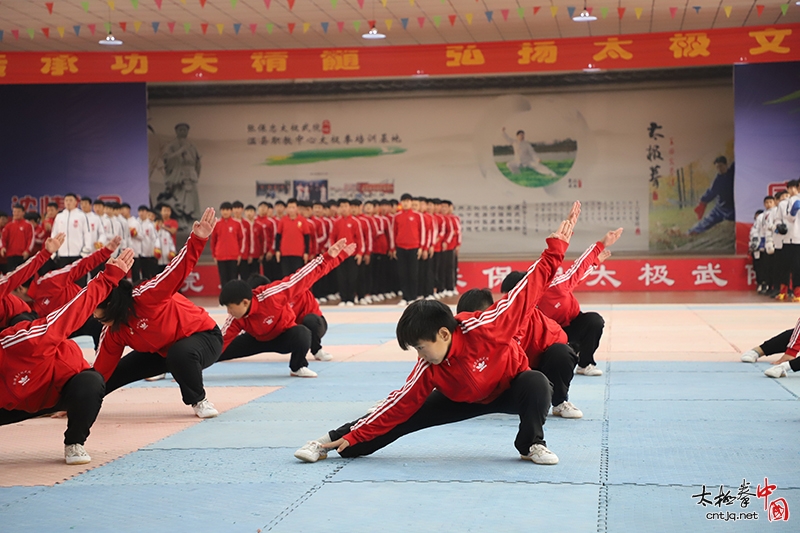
[[407, 248]]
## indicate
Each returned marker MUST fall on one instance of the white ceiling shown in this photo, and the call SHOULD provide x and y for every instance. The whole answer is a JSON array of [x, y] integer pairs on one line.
[[656, 16]]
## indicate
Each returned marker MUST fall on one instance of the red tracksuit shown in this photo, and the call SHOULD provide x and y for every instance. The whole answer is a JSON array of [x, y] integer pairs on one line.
[[248, 250], [409, 231], [10, 305], [270, 313], [162, 316], [36, 359], [57, 287], [258, 239], [348, 228], [538, 334], [292, 234], [558, 302], [17, 237], [304, 304], [227, 240], [483, 358]]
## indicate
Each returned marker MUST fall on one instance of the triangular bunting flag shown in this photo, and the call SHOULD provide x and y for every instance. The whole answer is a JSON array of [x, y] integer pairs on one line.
[[784, 7], [570, 11], [324, 27], [85, 6], [30, 32], [91, 27], [388, 23], [187, 27], [554, 10], [673, 11], [437, 19], [603, 12], [15, 33], [420, 21], [135, 4], [155, 26], [267, 3], [489, 15], [696, 9], [253, 28], [357, 25], [536, 9], [204, 27], [171, 26], [504, 12], [452, 19], [404, 22], [760, 9], [361, 4], [371, 23], [202, 3], [468, 16], [123, 26], [589, 10], [521, 12], [621, 11], [46, 32], [136, 25], [233, 3], [340, 26], [291, 4], [49, 6], [107, 26], [728, 11], [76, 29], [638, 11], [270, 27], [220, 27], [158, 4], [411, 2], [290, 27], [333, 3], [306, 26], [236, 27], [111, 5], [60, 32], [383, 2]]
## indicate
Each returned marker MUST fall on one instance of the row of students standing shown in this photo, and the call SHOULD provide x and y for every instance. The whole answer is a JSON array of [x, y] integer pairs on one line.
[[408, 248]]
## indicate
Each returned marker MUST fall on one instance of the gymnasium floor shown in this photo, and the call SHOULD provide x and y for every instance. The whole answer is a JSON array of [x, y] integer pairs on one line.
[[675, 411]]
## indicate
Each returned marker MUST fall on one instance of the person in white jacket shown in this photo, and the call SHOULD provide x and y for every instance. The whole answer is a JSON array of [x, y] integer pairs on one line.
[[525, 156], [72, 222], [165, 247], [791, 240], [148, 242], [765, 259], [782, 238], [96, 230]]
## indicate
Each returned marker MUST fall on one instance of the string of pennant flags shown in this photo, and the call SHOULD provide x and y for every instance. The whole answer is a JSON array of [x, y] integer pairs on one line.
[[291, 27]]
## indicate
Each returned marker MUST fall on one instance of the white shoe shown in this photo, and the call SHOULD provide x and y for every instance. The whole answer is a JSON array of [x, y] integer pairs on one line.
[[567, 410], [332, 297], [391, 294], [403, 303], [323, 300], [75, 454], [341, 304], [777, 371], [322, 355], [205, 409], [430, 297], [364, 301], [590, 370], [447, 294], [750, 356], [303, 372], [349, 304], [311, 452], [157, 378], [540, 455], [454, 292]]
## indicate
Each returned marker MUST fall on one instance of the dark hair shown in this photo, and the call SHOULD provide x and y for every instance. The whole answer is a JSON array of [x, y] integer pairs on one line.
[[768, 197], [118, 307], [225, 205], [143, 208], [422, 320], [511, 281], [792, 183], [17, 206], [71, 194], [3, 214], [124, 204], [99, 202], [405, 197], [475, 300], [248, 207], [758, 212], [257, 280], [344, 201], [86, 199], [237, 203], [781, 193], [32, 215], [264, 203], [355, 202], [234, 292], [521, 131], [291, 201], [52, 204], [721, 159], [280, 202], [448, 202]]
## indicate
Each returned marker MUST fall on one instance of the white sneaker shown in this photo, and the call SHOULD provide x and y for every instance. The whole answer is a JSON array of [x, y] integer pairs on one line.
[[350, 304], [341, 304], [430, 297], [540, 455], [447, 294], [455, 292], [567, 410], [311, 452], [322, 355], [157, 378], [205, 409], [303, 372], [391, 294], [403, 303], [332, 297], [364, 301], [777, 371], [750, 356], [323, 300], [590, 370], [75, 454]]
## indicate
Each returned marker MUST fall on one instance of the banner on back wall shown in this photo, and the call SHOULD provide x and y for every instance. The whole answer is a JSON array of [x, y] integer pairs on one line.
[[87, 139], [767, 112], [513, 164]]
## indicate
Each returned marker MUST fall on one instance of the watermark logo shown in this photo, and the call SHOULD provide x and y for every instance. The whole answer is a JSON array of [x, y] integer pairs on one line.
[[777, 509]]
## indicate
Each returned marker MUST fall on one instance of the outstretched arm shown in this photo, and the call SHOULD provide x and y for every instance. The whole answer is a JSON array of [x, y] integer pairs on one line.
[[26, 271]]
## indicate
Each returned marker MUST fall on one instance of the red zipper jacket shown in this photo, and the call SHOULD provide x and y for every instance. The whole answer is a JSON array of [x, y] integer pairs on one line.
[[270, 313], [17, 237], [483, 358], [57, 287], [37, 359], [161, 315], [409, 231], [10, 305], [348, 228], [293, 234], [304, 304], [558, 302], [227, 240]]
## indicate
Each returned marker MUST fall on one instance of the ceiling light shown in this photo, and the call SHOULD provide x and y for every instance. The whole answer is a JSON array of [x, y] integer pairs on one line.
[[584, 16], [110, 41], [373, 34]]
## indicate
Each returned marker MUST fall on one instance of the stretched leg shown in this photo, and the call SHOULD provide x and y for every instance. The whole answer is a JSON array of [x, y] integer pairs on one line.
[[318, 326], [541, 168], [585, 330], [134, 367], [531, 394], [557, 363], [295, 340], [81, 397], [776, 344], [187, 358]]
